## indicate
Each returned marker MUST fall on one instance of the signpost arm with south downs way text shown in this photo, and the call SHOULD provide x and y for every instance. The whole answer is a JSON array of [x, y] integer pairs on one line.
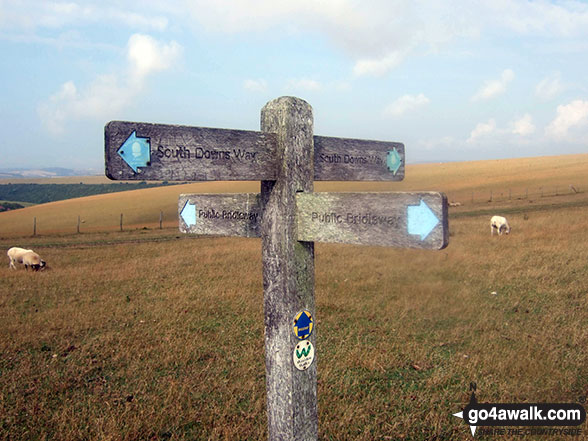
[[286, 157]]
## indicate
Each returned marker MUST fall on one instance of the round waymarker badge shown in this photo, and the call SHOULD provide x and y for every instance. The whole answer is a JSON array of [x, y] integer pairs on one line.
[[303, 325], [303, 355]]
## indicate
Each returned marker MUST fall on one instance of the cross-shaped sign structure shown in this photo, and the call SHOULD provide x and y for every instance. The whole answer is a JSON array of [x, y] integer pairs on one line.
[[287, 158]]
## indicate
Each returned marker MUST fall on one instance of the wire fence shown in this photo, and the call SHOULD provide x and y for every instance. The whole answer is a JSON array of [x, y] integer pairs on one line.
[[456, 199], [121, 226], [512, 194]]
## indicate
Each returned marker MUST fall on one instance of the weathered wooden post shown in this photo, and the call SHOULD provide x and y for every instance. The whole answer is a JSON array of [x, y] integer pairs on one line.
[[288, 271], [34, 226], [161, 220], [121, 222], [286, 157]]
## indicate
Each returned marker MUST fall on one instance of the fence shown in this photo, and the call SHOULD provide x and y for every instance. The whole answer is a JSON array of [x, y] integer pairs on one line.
[[80, 221], [512, 194], [457, 198]]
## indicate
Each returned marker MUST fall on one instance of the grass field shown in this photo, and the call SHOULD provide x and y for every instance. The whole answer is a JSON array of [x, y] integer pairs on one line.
[[148, 334]]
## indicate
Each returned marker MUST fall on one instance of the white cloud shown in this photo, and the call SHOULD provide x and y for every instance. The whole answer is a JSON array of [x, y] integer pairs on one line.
[[255, 85], [517, 133], [305, 84], [103, 97], [406, 103], [380, 34], [340, 85], [493, 88], [523, 126], [28, 15], [147, 55], [549, 87], [136, 20], [482, 130], [561, 18], [436, 144], [298, 84], [108, 94], [574, 114], [378, 66], [52, 113]]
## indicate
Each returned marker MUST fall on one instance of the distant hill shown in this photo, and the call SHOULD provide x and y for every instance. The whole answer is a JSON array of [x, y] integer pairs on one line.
[[43, 193], [49, 172], [6, 206], [476, 185]]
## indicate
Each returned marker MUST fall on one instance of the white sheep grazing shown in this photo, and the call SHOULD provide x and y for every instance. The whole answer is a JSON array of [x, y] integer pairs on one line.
[[500, 224], [25, 257]]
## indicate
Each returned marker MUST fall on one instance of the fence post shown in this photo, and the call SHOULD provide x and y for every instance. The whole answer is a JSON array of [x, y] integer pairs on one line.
[[78, 224], [288, 272], [34, 226], [160, 219], [121, 222]]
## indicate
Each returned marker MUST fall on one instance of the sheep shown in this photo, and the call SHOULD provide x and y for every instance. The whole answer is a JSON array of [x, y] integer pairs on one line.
[[500, 224], [25, 257]]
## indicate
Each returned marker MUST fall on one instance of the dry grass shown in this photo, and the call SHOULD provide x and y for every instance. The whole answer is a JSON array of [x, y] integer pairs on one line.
[[425, 325], [152, 335], [133, 342], [141, 208]]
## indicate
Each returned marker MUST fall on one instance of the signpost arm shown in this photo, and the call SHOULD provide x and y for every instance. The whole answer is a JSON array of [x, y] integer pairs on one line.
[[288, 272]]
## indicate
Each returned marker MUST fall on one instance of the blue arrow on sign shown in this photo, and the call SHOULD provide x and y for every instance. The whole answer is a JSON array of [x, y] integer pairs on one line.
[[188, 214], [303, 325], [393, 161], [136, 151], [421, 220]]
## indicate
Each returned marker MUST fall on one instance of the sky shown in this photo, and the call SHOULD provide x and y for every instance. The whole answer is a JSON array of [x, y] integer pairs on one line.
[[453, 80]]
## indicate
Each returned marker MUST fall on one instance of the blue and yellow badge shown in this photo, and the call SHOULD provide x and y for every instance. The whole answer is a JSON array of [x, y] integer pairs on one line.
[[303, 325]]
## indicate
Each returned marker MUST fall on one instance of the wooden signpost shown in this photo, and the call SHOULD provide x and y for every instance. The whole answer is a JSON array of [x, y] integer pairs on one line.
[[141, 151], [287, 158], [406, 220]]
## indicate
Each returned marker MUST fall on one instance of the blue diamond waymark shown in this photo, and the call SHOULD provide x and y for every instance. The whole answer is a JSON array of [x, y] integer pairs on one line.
[[303, 325], [421, 220], [188, 214], [136, 151], [393, 161]]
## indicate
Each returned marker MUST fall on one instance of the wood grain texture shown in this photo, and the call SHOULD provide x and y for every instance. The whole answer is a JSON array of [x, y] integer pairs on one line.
[[288, 272], [286, 157], [369, 219], [223, 214], [180, 153], [343, 159]]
